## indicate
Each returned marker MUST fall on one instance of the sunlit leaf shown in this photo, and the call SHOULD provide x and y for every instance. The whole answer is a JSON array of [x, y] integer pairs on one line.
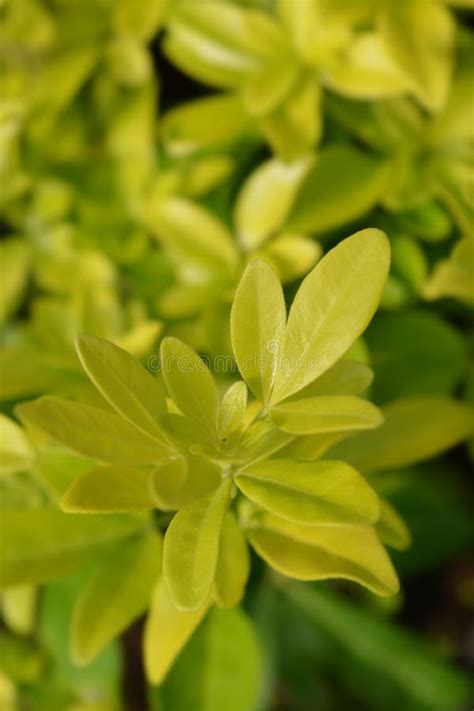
[[193, 234], [109, 489], [291, 255], [204, 123], [331, 309], [179, 481], [123, 381], [319, 552], [266, 198], [233, 564], [391, 528], [257, 327], [90, 431], [310, 492], [232, 409], [16, 452], [420, 43], [326, 413], [346, 377], [167, 630], [191, 548], [190, 383]]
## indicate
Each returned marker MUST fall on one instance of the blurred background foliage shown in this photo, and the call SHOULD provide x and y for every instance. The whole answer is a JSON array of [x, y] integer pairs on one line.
[[148, 150]]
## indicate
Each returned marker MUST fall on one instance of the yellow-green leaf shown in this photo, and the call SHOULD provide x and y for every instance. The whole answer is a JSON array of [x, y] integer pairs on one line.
[[204, 123], [414, 429], [16, 452], [191, 548], [326, 413], [37, 545], [19, 607], [421, 44], [266, 198], [190, 383], [90, 431], [177, 482], [232, 409], [193, 234], [310, 492], [332, 308], [118, 593], [346, 377], [391, 528], [233, 564], [320, 552], [291, 255], [167, 630], [342, 185], [257, 327], [123, 381], [108, 490]]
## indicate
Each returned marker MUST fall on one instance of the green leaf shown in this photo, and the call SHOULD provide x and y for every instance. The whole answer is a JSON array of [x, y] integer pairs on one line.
[[326, 413], [221, 667], [312, 447], [19, 608], [42, 544], [108, 490], [232, 409], [14, 266], [310, 492], [415, 353], [118, 593], [346, 377], [140, 20], [265, 200], [332, 308], [294, 127], [409, 672], [219, 48], [90, 431], [319, 552], [261, 440], [453, 277], [204, 123], [16, 452], [343, 184], [421, 44], [191, 548], [167, 630], [177, 482], [391, 528], [292, 256], [233, 564], [414, 429], [190, 384], [257, 327], [194, 235], [368, 72], [124, 382]]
